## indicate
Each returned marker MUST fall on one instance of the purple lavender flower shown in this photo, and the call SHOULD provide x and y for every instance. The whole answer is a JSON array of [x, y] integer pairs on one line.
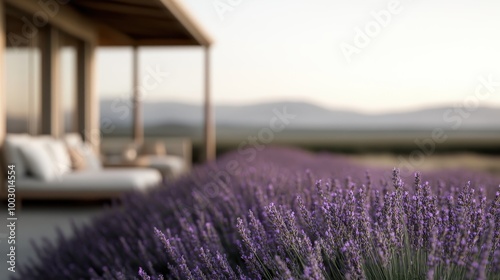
[[289, 214]]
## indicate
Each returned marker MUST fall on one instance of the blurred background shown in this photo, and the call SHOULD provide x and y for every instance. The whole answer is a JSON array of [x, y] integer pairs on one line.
[[378, 77], [382, 77]]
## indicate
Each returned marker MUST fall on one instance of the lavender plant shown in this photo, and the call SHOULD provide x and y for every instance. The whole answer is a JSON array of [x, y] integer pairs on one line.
[[289, 214]]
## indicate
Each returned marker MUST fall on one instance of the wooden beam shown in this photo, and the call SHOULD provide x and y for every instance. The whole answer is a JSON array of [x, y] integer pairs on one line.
[[184, 17], [209, 127], [145, 26], [71, 21], [92, 131], [143, 31], [51, 117], [138, 130], [109, 36], [152, 43], [82, 86], [166, 42], [3, 98], [119, 8], [62, 16], [139, 3]]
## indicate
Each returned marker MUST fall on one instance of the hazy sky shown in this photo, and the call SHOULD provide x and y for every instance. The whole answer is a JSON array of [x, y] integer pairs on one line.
[[428, 53]]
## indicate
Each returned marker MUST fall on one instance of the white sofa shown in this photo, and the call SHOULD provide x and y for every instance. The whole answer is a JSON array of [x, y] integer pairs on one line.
[[173, 161], [44, 170]]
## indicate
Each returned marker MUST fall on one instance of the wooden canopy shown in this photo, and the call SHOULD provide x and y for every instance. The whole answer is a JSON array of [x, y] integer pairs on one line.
[[142, 22], [150, 23], [132, 23]]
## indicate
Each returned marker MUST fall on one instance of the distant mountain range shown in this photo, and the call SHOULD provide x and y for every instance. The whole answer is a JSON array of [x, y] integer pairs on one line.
[[308, 116]]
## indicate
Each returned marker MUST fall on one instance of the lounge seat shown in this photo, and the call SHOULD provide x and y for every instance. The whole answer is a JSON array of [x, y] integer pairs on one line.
[[106, 180], [46, 172], [170, 156]]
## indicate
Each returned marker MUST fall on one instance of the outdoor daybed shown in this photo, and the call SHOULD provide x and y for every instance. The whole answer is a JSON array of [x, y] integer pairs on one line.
[[48, 168]]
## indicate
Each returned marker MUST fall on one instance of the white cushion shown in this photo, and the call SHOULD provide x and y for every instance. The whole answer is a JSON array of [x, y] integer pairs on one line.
[[74, 141], [13, 154], [109, 179], [93, 161], [60, 155], [168, 164], [38, 160]]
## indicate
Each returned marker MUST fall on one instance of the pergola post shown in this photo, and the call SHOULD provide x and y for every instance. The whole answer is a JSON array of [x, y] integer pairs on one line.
[[51, 117], [138, 129], [3, 96], [209, 127], [3, 106]]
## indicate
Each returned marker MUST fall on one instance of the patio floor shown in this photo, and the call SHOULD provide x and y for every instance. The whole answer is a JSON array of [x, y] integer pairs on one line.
[[39, 220]]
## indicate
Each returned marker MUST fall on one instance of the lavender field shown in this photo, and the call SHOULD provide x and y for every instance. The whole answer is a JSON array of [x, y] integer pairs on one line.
[[290, 214]]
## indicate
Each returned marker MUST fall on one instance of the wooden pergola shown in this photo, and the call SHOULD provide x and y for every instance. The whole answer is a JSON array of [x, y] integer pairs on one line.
[[140, 23]]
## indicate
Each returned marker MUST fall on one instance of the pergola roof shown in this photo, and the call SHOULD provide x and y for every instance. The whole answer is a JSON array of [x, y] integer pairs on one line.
[[143, 22]]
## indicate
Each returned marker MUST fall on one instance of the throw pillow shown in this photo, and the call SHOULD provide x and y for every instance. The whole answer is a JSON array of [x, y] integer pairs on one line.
[[78, 161], [60, 155], [38, 160]]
